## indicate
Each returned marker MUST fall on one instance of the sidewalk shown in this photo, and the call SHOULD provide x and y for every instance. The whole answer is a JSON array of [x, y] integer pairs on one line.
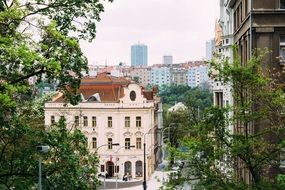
[[152, 184], [111, 183]]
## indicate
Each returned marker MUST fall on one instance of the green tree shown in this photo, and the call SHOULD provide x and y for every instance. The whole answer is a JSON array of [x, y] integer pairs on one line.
[[136, 79], [182, 93], [216, 153], [173, 93], [68, 164], [39, 38]]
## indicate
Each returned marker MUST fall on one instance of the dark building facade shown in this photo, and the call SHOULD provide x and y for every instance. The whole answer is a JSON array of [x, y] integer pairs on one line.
[[258, 24]]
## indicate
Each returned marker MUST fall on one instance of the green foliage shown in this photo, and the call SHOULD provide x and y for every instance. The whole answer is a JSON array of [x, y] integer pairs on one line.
[[136, 79], [179, 122], [245, 137], [193, 97], [40, 38], [173, 93], [68, 164]]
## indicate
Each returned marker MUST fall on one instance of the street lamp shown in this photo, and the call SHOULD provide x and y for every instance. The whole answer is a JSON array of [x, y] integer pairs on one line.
[[144, 160], [130, 146], [42, 149], [162, 134], [113, 144], [169, 127]]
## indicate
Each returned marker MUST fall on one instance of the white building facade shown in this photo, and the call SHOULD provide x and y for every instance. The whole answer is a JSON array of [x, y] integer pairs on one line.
[[222, 92], [115, 111]]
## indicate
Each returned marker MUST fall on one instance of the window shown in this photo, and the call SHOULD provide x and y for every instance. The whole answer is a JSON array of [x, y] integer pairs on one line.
[[282, 48], [138, 121], [110, 122], [139, 143], [128, 167], [218, 99], [127, 121], [110, 142], [85, 121], [76, 120], [94, 142], [138, 168], [62, 118], [94, 123], [52, 119], [127, 143], [102, 168], [282, 4]]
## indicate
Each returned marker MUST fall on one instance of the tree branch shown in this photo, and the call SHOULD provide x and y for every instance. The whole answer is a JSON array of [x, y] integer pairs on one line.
[[27, 76]]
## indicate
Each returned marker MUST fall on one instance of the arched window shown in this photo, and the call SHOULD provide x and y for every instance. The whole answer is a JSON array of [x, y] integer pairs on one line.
[[138, 168], [128, 168]]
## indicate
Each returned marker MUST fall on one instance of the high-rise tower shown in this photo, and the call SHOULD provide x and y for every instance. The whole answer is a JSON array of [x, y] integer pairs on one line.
[[138, 55]]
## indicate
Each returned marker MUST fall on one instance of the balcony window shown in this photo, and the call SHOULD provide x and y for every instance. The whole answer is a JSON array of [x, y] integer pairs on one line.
[[138, 121], [85, 121], [110, 123], [94, 123], [139, 143], [52, 119], [127, 121], [76, 121], [94, 142], [110, 142], [62, 118], [127, 143]]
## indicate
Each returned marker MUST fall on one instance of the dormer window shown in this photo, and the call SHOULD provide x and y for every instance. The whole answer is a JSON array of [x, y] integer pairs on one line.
[[94, 98], [133, 95]]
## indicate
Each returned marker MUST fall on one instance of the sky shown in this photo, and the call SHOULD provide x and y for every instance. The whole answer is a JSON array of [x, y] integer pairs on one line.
[[168, 27]]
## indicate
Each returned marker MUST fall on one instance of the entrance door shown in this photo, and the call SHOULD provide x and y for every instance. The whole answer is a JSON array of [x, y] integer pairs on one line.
[[110, 168]]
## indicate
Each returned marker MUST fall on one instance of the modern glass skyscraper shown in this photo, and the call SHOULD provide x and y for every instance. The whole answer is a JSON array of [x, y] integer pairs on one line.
[[138, 55]]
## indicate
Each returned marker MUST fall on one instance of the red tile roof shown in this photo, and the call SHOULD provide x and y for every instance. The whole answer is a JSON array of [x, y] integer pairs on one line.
[[109, 88]]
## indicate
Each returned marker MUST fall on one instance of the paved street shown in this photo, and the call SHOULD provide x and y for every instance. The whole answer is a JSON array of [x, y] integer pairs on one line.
[[152, 184]]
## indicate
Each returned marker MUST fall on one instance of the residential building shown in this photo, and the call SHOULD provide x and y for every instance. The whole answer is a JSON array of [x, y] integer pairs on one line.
[[198, 75], [142, 74], [252, 25], [178, 75], [222, 92], [167, 59], [115, 110], [160, 75], [139, 55], [223, 42]]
